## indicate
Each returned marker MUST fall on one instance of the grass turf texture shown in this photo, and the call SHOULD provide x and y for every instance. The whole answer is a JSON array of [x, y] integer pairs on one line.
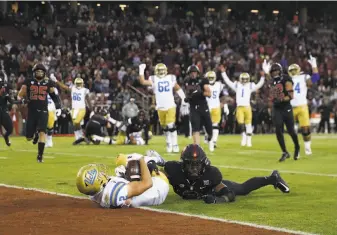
[[310, 206]]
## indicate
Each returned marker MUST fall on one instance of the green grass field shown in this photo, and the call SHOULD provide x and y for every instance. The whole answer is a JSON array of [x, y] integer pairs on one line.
[[310, 206]]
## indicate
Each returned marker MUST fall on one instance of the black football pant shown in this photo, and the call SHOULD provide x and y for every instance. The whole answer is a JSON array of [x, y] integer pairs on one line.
[[92, 128], [6, 122], [250, 185], [199, 115], [185, 124], [322, 125], [284, 116]]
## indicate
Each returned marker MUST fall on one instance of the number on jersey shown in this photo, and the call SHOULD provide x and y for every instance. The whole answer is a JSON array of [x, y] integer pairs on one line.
[[215, 94], [242, 92], [298, 88], [76, 96], [163, 86]]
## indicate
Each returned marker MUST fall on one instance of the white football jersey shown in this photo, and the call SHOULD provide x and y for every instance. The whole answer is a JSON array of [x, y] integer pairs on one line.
[[51, 105], [163, 90], [78, 97], [214, 100], [300, 90]]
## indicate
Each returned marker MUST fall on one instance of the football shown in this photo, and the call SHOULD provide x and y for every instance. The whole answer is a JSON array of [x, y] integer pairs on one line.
[[133, 170]]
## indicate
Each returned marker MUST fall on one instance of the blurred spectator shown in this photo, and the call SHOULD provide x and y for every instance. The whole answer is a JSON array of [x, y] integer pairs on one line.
[[325, 111], [130, 109]]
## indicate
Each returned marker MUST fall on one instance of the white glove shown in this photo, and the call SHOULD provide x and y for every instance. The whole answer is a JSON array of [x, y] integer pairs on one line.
[[155, 156], [266, 67], [225, 109], [91, 114], [134, 157], [123, 128], [120, 171], [118, 124], [142, 69], [313, 62], [53, 78], [58, 112]]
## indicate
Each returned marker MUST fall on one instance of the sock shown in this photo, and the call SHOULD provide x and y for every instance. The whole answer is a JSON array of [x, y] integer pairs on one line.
[[76, 135], [280, 139], [215, 135], [249, 130], [294, 137], [167, 136], [307, 144], [244, 137], [174, 138], [41, 148]]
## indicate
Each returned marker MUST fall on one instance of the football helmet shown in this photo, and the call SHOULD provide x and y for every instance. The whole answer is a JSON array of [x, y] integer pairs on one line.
[[276, 70], [39, 71], [211, 76], [160, 70], [92, 178], [79, 83], [141, 115], [121, 160], [194, 161], [294, 69], [192, 68], [244, 78]]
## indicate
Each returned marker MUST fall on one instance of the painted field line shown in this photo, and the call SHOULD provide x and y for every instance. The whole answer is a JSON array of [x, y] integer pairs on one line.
[[282, 171], [221, 166], [173, 212], [3, 157]]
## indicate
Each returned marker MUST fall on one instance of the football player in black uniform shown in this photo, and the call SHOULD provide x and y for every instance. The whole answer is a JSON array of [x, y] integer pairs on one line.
[[5, 105], [36, 90], [197, 89], [281, 94], [194, 178]]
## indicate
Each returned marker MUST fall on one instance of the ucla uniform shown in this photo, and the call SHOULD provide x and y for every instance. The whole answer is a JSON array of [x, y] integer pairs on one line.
[[78, 104], [214, 102], [51, 111]]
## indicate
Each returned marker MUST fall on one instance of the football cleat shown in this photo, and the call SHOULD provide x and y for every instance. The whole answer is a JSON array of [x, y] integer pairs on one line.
[[39, 158], [280, 183], [284, 156], [169, 148], [211, 146], [8, 142], [176, 149], [297, 153]]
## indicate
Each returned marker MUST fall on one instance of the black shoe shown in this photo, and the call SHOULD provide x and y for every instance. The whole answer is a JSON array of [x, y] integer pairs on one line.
[[280, 183], [284, 156], [8, 143], [36, 138], [39, 158], [297, 153]]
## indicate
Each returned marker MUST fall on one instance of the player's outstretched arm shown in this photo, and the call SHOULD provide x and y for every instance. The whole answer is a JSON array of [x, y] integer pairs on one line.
[[23, 92], [142, 77], [315, 75], [55, 98], [260, 83], [60, 84], [226, 78], [180, 92], [136, 188]]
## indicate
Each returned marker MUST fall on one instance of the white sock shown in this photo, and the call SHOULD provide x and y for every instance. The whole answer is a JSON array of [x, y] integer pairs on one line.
[[174, 138], [249, 131], [49, 139], [168, 137], [307, 144], [76, 135], [215, 135]]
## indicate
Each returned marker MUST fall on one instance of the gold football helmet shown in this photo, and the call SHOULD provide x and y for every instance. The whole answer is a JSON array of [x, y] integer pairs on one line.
[[160, 70], [79, 83], [92, 178], [294, 69], [244, 78], [211, 76]]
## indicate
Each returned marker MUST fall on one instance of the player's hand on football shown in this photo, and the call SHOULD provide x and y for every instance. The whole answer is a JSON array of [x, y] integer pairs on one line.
[[266, 66], [142, 68], [158, 159], [134, 157], [312, 61], [53, 78], [120, 171], [58, 112]]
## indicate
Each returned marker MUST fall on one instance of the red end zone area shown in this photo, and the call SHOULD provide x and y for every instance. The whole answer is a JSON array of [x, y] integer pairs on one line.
[[30, 212]]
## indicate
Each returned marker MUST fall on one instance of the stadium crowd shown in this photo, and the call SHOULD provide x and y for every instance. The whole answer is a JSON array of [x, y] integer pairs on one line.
[[105, 49]]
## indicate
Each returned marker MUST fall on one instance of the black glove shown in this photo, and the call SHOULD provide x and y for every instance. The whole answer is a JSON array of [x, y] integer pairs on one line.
[[209, 199]]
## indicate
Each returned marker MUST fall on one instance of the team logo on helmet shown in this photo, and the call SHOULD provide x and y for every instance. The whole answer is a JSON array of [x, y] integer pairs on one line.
[[160, 70]]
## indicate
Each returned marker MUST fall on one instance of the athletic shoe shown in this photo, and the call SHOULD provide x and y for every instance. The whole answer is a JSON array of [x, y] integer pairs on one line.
[[36, 138], [297, 153], [280, 183], [284, 156], [8, 143], [39, 158]]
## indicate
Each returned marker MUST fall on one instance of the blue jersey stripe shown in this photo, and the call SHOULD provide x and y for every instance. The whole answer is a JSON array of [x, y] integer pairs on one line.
[[114, 193]]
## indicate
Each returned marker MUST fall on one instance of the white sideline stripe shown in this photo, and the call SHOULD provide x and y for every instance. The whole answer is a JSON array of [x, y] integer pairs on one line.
[[282, 171], [173, 212], [3, 157], [221, 166]]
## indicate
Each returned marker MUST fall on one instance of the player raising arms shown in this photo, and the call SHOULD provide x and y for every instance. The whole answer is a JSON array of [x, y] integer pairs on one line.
[[79, 99], [243, 90], [299, 102], [36, 90], [163, 85], [214, 105]]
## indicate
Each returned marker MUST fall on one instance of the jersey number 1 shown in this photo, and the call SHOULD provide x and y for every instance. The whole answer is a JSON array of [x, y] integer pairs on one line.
[[242, 92], [38, 92], [297, 88]]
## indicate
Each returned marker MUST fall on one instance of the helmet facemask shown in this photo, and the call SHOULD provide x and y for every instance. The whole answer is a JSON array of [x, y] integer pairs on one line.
[[244, 78], [211, 76], [294, 70], [39, 74], [193, 169], [161, 70]]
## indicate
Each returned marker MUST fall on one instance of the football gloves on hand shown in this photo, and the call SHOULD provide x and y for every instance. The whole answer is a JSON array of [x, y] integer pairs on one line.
[[312, 61], [266, 67]]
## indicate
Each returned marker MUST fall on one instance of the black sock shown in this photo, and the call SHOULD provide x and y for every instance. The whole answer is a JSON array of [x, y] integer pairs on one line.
[[294, 137], [280, 139], [41, 148], [256, 183]]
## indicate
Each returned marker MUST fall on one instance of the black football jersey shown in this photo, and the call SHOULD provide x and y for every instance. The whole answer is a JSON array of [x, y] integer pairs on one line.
[[192, 85], [99, 119], [192, 189], [4, 96], [37, 92], [278, 91], [134, 125]]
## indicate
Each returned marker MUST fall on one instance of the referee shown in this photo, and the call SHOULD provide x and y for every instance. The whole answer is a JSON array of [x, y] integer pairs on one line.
[[197, 89]]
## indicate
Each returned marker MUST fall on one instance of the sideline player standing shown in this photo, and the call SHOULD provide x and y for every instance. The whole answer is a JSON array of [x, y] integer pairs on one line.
[[163, 85], [299, 102], [197, 89], [243, 89], [36, 90], [5, 119], [79, 98], [281, 94]]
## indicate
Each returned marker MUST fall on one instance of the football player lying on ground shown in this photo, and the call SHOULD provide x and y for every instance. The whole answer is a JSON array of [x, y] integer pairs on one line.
[[129, 132], [194, 178], [133, 187]]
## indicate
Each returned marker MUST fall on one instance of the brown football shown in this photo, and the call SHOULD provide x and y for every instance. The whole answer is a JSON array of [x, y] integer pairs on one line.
[[133, 170]]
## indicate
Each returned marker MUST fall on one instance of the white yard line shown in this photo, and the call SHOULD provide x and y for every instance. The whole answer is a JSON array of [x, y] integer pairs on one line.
[[221, 166], [175, 213], [3, 158]]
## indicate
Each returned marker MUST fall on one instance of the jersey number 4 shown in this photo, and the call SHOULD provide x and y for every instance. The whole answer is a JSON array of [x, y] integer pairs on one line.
[[38, 92], [297, 88], [163, 86], [77, 96]]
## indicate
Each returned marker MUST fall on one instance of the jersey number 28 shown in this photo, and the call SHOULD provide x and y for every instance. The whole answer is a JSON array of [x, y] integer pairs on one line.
[[163, 86]]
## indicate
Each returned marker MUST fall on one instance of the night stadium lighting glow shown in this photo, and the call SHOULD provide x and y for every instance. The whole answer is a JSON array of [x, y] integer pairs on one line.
[[275, 12], [254, 11]]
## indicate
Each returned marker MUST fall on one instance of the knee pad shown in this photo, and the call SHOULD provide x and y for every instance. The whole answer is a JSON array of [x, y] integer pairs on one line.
[[306, 135], [49, 131], [171, 127]]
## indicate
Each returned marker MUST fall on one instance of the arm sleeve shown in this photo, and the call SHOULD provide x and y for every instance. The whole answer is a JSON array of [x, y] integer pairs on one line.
[[56, 100], [257, 86], [228, 81]]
